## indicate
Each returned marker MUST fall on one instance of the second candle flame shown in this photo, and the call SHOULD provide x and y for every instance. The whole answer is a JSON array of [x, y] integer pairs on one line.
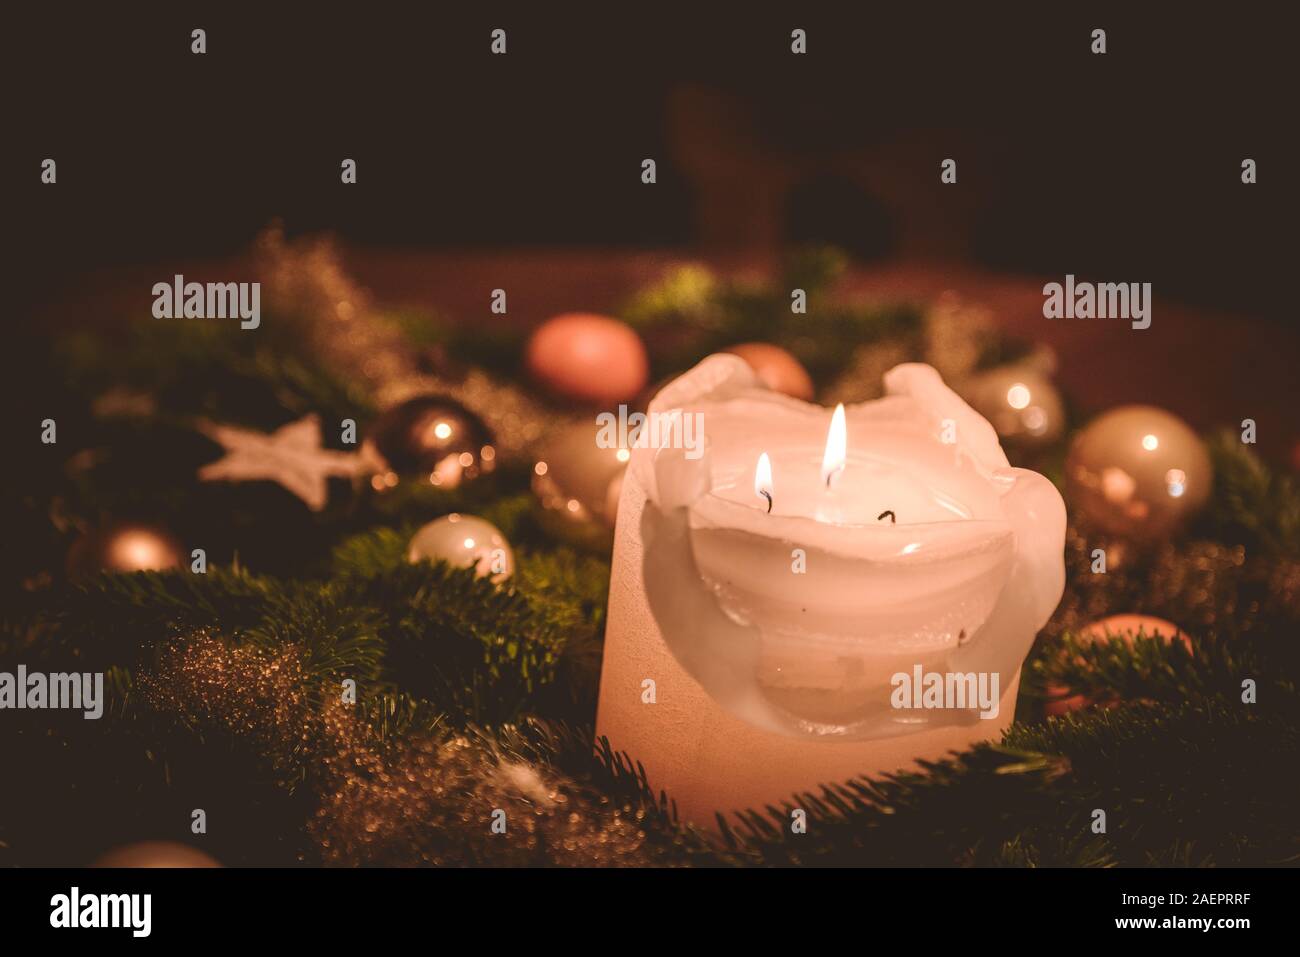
[[836, 447], [763, 479]]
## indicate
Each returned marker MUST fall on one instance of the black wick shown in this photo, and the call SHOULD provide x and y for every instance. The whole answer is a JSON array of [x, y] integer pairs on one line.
[[831, 475], [767, 495], [892, 519]]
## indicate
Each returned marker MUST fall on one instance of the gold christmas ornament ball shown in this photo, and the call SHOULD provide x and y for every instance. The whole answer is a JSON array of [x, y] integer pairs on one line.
[[777, 368], [1128, 627], [431, 436], [155, 854], [1137, 472], [576, 479], [464, 541], [1020, 402], [588, 358], [124, 547]]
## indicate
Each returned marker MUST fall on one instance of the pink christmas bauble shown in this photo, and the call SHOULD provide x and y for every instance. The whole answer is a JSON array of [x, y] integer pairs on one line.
[[780, 371], [588, 358]]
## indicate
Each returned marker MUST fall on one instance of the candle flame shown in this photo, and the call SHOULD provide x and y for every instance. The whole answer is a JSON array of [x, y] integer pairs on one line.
[[763, 479], [836, 446]]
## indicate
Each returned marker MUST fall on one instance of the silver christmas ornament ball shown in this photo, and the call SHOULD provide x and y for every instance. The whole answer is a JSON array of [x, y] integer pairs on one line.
[[464, 541], [1137, 472]]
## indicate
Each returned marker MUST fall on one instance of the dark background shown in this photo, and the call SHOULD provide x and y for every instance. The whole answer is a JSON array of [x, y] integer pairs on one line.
[[1123, 167]]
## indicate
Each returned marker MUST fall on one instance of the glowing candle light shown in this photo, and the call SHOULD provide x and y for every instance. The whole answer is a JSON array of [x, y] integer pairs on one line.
[[763, 479], [836, 447]]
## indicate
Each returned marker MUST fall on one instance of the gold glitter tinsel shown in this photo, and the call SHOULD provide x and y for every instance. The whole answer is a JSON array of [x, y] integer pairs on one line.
[[864, 379], [428, 801], [952, 335], [305, 282], [955, 333], [240, 690], [458, 801]]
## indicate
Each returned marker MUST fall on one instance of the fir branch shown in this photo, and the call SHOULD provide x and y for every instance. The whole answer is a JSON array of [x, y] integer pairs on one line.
[[212, 369], [691, 313], [1132, 667], [556, 600], [460, 641], [395, 716], [1161, 774], [1251, 504], [341, 639], [370, 554], [117, 619]]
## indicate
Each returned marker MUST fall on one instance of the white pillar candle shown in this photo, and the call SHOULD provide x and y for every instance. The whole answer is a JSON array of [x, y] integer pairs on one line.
[[767, 595]]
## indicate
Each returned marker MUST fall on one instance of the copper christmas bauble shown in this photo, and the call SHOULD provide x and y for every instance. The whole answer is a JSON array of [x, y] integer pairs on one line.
[[779, 371], [588, 358], [124, 547], [1137, 472], [431, 437], [577, 478], [1020, 402], [156, 854], [1126, 626]]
